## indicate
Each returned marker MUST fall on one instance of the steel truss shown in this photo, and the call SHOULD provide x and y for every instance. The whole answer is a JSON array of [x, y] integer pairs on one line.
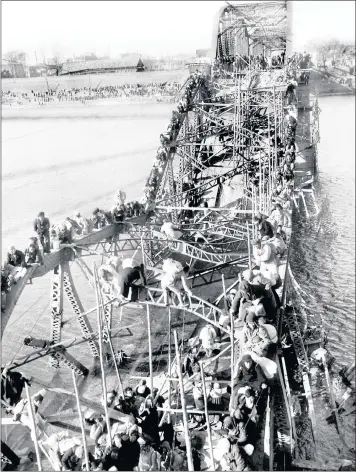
[[194, 305], [56, 310]]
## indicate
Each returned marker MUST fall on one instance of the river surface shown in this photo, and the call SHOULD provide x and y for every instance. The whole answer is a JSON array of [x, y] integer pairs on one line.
[[77, 162], [324, 258]]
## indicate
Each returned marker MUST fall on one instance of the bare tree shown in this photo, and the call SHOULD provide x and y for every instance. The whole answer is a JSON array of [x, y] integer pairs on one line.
[[56, 63], [15, 57], [330, 49]]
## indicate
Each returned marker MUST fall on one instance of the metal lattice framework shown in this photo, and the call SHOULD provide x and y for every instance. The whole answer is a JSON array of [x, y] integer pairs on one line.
[[245, 29]]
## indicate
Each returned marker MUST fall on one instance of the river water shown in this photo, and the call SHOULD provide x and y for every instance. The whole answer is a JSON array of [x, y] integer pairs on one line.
[[324, 257], [77, 162]]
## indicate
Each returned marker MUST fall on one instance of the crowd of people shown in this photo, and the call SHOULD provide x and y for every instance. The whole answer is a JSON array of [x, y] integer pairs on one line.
[[242, 63], [85, 94], [50, 238], [253, 308], [168, 139]]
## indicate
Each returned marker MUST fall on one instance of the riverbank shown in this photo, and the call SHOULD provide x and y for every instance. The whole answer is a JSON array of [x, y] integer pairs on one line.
[[327, 86], [42, 84]]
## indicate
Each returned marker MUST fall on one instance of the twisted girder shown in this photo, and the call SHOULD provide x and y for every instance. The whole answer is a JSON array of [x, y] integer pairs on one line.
[[195, 305], [78, 309], [56, 309], [170, 200]]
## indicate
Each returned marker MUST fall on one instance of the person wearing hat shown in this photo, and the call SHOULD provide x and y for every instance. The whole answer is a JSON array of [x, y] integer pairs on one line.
[[215, 401], [165, 450], [245, 369], [230, 297], [142, 389]]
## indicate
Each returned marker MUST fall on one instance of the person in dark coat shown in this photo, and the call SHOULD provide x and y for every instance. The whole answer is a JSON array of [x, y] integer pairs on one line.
[[265, 228], [129, 453], [149, 421], [10, 460], [128, 276], [15, 257], [41, 226], [33, 255], [16, 264], [113, 459], [248, 371], [12, 385], [101, 218]]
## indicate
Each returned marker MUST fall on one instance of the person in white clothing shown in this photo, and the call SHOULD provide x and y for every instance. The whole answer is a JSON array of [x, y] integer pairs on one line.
[[207, 337], [173, 273], [266, 258]]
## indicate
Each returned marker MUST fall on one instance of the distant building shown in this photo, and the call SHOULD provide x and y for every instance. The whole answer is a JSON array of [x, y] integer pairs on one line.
[[203, 53], [11, 69], [130, 63], [38, 71]]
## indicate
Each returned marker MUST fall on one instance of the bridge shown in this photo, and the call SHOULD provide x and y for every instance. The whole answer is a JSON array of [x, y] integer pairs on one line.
[[223, 148]]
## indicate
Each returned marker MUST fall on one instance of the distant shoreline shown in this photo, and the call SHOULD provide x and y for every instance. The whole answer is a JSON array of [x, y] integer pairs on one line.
[[106, 107], [39, 84]]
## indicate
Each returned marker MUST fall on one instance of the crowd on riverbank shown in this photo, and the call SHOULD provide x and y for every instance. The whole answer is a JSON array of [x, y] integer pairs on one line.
[[86, 94]]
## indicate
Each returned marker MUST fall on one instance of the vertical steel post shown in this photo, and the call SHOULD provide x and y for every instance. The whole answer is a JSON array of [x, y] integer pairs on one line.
[[81, 422], [33, 427], [184, 408], [149, 346]]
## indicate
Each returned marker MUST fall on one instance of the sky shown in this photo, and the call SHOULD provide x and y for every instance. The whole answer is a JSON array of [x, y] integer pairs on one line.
[[148, 27]]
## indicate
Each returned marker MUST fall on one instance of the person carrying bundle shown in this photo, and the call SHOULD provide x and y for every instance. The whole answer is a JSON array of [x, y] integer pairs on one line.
[[266, 259], [173, 273]]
